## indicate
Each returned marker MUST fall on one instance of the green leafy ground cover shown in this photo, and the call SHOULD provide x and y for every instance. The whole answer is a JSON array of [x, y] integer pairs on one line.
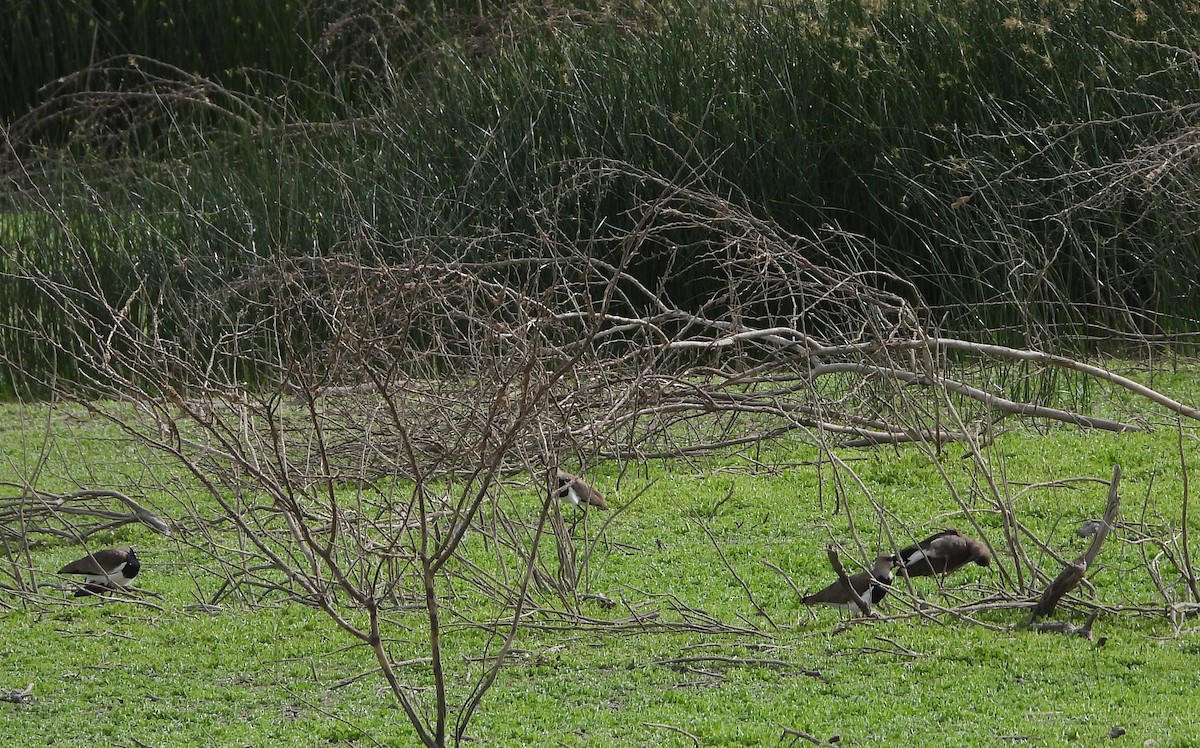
[[164, 673]]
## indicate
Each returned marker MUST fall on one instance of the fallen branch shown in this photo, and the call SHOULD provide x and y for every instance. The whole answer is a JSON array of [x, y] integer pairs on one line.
[[1067, 580], [1072, 575], [20, 696], [1002, 404], [32, 511], [790, 732], [897, 649], [673, 728], [1068, 629], [673, 661], [1066, 363]]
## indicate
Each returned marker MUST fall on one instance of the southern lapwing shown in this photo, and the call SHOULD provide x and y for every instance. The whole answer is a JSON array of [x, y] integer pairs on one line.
[[871, 586], [110, 569], [577, 491], [942, 553]]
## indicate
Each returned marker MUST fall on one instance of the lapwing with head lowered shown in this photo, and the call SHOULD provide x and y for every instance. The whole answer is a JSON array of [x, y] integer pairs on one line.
[[576, 490], [109, 569], [942, 553], [871, 586]]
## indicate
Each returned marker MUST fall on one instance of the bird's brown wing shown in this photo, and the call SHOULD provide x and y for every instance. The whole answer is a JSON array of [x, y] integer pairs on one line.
[[836, 593], [582, 488], [99, 562]]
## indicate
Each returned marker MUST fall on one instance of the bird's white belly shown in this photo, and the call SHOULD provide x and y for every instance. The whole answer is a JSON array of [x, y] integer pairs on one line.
[[573, 497], [116, 577]]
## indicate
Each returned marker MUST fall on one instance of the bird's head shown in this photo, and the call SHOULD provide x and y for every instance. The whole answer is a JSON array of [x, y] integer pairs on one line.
[[979, 552], [885, 564]]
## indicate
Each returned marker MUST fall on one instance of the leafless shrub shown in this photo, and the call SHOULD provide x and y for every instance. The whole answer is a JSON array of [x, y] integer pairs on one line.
[[377, 433], [121, 105]]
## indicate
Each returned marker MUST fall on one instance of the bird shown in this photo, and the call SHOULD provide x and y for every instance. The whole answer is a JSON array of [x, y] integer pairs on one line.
[[943, 553], [576, 490], [109, 569], [871, 586], [1089, 528]]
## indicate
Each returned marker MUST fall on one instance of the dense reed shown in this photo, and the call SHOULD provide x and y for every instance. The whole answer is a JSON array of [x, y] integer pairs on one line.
[[1023, 164]]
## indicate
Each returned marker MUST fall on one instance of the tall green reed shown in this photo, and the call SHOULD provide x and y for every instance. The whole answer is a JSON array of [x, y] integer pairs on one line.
[[981, 149]]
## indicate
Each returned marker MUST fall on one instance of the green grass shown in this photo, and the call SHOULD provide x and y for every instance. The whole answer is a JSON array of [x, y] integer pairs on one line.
[[110, 673], [247, 678], [873, 118]]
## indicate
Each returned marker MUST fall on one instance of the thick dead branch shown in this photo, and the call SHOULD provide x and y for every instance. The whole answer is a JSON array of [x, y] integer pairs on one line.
[[1004, 405], [1067, 580], [1112, 510], [1188, 572], [1067, 363], [67, 515], [1073, 574]]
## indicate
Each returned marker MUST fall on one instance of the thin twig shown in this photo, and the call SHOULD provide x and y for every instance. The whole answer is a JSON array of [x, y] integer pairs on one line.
[[1188, 573], [836, 563], [791, 732], [695, 740], [729, 567]]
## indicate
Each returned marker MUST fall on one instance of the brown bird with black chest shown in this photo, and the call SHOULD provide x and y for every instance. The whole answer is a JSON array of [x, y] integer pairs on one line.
[[871, 586], [576, 490], [109, 569], [942, 553]]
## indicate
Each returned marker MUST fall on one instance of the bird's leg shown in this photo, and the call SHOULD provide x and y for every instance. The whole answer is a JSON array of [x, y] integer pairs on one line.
[[941, 580]]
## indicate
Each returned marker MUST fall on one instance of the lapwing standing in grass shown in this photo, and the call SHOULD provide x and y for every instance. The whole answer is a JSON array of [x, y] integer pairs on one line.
[[576, 490], [110, 569], [942, 553], [871, 586]]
